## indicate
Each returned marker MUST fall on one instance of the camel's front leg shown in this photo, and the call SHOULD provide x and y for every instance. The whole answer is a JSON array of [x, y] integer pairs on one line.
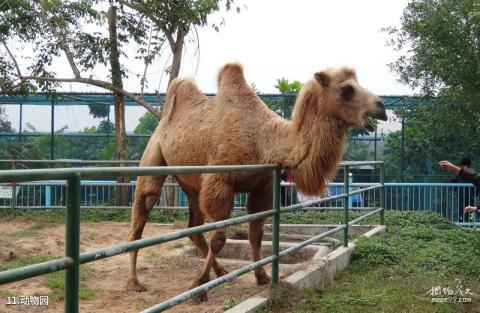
[[258, 201], [216, 200], [146, 194]]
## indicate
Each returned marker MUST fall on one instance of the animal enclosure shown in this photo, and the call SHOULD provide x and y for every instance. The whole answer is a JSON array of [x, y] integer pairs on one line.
[[72, 260]]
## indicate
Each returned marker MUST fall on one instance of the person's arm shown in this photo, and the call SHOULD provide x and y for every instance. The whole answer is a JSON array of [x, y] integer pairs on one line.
[[445, 165], [470, 208]]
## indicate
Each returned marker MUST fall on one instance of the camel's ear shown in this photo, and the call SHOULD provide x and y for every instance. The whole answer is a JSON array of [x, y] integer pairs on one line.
[[322, 78]]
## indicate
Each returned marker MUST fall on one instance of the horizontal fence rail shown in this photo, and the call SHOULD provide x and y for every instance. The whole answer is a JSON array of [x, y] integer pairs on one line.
[[73, 190]]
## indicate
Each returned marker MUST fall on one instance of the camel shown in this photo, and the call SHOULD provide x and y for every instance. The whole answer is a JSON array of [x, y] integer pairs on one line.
[[236, 127]]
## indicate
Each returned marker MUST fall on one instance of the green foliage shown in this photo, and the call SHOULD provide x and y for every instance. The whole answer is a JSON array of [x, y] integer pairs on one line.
[[24, 261], [373, 253], [284, 105], [54, 29], [50, 217], [358, 150], [5, 124], [230, 303], [39, 24], [393, 272], [434, 132], [56, 282], [99, 110], [440, 45], [286, 87], [146, 125], [442, 40]]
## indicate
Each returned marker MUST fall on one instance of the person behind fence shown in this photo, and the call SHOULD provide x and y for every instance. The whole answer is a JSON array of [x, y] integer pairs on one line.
[[466, 197], [465, 174]]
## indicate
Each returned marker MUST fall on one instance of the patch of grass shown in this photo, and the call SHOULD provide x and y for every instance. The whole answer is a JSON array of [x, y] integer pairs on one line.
[[24, 233], [7, 293], [56, 282], [24, 261], [45, 218], [230, 303], [394, 272], [151, 256]]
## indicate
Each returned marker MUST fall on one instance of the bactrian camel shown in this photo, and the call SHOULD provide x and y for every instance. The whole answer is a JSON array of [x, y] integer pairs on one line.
[[236, 127]]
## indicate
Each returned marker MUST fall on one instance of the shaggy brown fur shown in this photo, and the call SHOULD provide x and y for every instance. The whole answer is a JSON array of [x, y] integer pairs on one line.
[[236, 127]]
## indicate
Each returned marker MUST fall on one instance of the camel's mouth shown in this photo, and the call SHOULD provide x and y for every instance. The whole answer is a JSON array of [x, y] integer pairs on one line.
[[379, 112], [369, 119]]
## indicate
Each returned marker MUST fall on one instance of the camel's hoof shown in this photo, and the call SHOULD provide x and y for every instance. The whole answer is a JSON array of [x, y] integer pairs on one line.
[[221, 271], [198, 282], [134, 285], [262, 279]]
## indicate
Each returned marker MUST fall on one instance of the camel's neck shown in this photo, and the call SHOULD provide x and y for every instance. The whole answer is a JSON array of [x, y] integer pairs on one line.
[[309, 147], [318, 161]]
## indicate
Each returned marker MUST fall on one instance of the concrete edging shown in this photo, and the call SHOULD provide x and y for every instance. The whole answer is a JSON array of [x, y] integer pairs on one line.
[[322, 270]]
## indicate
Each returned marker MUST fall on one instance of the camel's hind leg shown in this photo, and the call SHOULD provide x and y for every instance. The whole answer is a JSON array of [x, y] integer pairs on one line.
[[216, 200], [196, 218], [146, 194], [258, 201]]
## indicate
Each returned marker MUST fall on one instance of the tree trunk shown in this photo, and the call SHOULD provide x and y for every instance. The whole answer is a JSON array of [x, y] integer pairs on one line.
[[121, 194], [177, 56], [177, 50]]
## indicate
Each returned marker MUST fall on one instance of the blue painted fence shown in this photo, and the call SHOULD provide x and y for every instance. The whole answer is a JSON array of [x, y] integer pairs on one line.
[[446, 199]]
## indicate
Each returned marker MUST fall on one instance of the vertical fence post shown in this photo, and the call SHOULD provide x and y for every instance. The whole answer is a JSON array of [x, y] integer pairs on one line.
[[48, 196], [346, 188], [276, 224], [14, 191], [350, 189], [382, 194], [20, 123], [52, 132], [72, 244]]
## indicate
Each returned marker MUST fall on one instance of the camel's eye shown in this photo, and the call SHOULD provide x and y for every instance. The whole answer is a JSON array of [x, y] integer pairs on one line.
[[347, 92]]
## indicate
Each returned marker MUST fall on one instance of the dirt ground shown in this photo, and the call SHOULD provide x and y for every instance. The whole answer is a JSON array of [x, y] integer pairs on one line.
[[161, 268]]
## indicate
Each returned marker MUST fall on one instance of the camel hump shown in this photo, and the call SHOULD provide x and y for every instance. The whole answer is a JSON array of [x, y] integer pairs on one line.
[[183, 86], [180, 92], [231, 73]]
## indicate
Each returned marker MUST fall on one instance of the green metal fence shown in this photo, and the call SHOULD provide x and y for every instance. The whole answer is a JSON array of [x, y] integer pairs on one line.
[[73, 258]]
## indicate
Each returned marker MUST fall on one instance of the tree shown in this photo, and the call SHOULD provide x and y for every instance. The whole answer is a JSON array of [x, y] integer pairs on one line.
[[54, 28], [143, 131], [146, 125], [436, 131], [440, 41], [443, 42], [5, 124], [284, 105], [175, 19]]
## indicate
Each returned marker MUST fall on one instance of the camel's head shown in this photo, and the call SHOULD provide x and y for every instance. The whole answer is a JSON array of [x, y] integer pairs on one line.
[[344, 99]]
